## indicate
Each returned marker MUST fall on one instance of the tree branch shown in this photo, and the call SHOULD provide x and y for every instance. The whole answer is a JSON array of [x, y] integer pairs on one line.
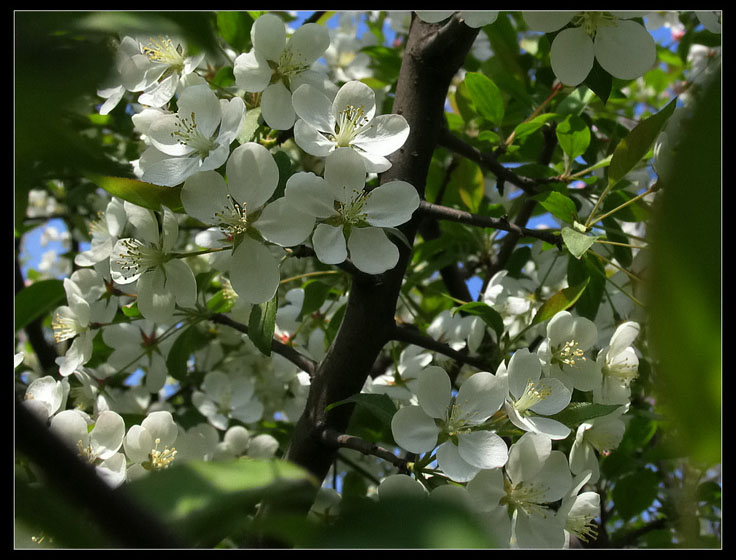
[[288, 352], [452, 214], [336, 440], [426, 73], [487, 160], [411, 335]]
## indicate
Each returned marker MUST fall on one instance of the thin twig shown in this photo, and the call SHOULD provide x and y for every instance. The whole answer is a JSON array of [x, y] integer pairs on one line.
[[453, 214], [334, 438], [289, 352], [413, 336]]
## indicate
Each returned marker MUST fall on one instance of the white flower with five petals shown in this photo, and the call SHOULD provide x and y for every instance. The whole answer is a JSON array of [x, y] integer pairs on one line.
[[277, 66], [163, 281], [456, 423], [350, 121], [195, 138], [351, 219], [241, 217]]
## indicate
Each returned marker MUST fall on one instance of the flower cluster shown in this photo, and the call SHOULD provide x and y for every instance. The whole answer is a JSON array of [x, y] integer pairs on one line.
[[279, 160], [467, 433]]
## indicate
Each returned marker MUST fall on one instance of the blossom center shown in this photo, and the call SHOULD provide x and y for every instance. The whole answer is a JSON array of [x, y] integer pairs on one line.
[[290, 64], [188, 133], [65, 327], [99, 226], [533, 394], [623, 371], [527, 497], [137, 258], [568, 353], [351, 212], [582, 527], [591, 21], [232, 219], [160, 458], [162, 50], [349, 123], [458, 421]]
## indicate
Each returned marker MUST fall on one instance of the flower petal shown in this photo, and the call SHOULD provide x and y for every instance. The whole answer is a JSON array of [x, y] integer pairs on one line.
[[413, 430], [391, 204], [276, 107], [329, 244], [203, 195], [625, 51], [371, 250], [433, 391], [281, 222], [268, 36], [483, 449], [252, 175], [572, 56], [254, 271]]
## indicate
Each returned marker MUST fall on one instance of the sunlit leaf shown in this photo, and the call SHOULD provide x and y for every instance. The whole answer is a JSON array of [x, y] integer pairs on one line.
[[138, 192], [262, 324], [562, 300]]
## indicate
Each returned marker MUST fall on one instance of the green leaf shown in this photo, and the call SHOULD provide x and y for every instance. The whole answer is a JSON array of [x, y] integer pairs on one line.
[[562, 300], [262, 323], [578, 412], [685, 284], [315, 294], [334, 325], [36, 300], [573, 135], [599, 81], [576, 242], [470, 183], [138, 192], [558, 205], [371, 419], [588, 269], [398, 234], [631, 149], [531, 126], [250, 125], [490, 316], [204, 500], [404, 522], [379, 405], [486, 97], [234, 27], [186, 343], [635, 492]]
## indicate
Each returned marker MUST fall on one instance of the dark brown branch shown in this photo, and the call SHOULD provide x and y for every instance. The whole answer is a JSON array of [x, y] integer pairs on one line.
[[486, 160], [411, 335], [45, 352], [453, 214], [525, 213], [426, 73], [288, 352], [336, 440]]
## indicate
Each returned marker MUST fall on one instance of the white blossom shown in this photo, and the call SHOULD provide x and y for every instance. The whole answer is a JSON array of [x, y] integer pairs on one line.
[[350, 218], [624, 48], [350, 121], [162, 281], [195, 138], [455, 422], [277, 66]]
